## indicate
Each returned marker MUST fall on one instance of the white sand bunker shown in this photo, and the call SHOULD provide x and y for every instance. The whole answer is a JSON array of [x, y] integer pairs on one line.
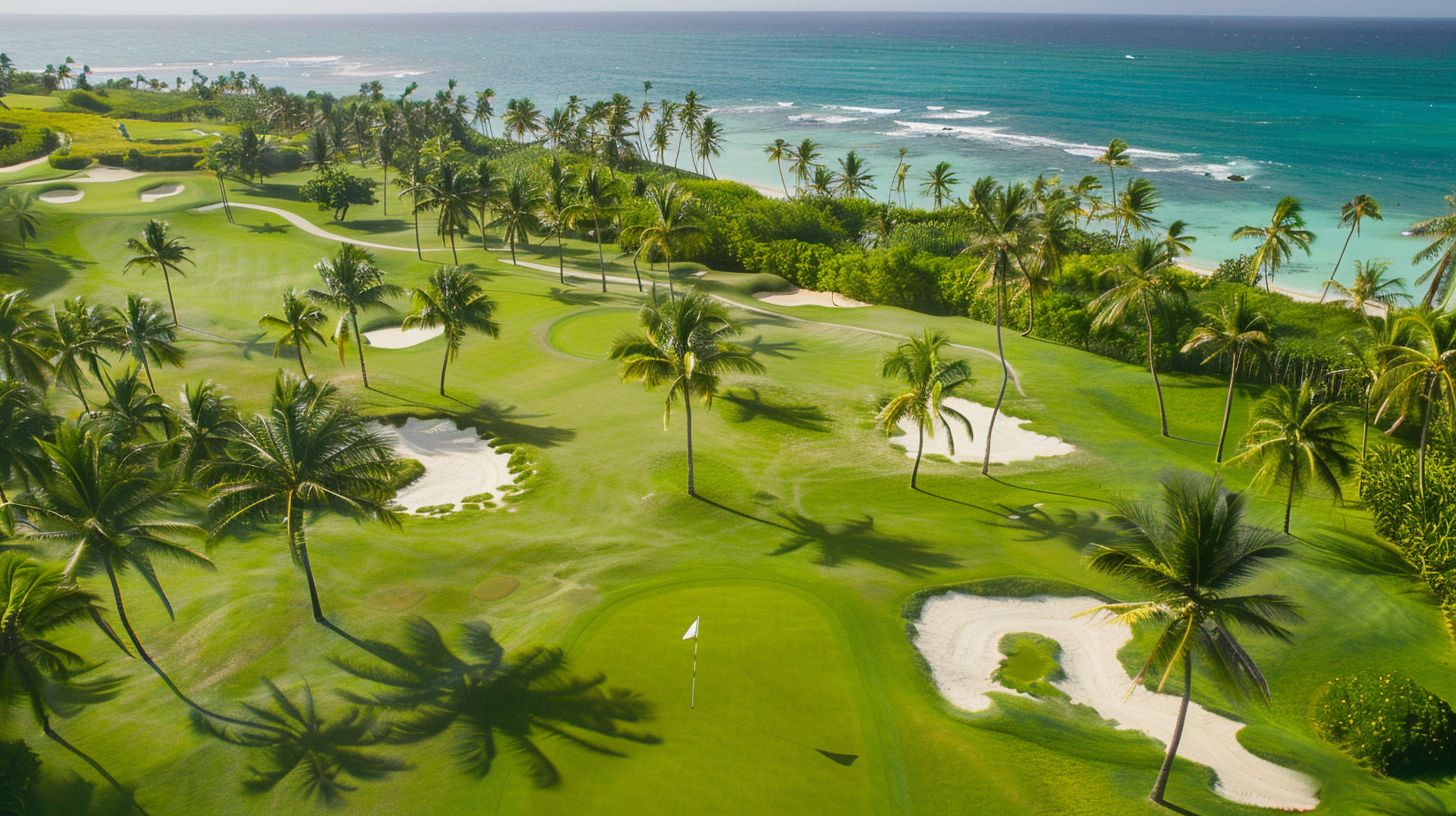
[[1010, 442], [69, 195], [160, 192], [809, 297], [397, 338], [959, 635], [458, 464]]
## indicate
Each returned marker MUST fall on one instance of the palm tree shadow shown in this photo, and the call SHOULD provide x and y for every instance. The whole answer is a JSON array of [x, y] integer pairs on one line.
[[1338, 549], [267, 228], [343, 633], [859, 541], [507, 424], [741, 514], [1077, 528], [748, 404], [783, 349], [932, 494], [1178, 808], [378, 225], [1044, 491], [574, 297]]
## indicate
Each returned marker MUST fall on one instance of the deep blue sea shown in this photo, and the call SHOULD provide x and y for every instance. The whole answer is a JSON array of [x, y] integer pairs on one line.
[[1317, 108]]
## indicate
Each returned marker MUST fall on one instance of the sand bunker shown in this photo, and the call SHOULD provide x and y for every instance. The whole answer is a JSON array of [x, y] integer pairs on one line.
[[959, 635], [458, 464], [64, 196], [159, 192], [808, 297], [397, 338], [1010, 443]]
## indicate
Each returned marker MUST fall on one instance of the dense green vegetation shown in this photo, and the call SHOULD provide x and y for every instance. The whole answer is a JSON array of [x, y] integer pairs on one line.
[[1388, 722]]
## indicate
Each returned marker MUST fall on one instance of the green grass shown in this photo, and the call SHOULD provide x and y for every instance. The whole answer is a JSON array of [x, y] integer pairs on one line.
[[800, 556], [1032, 664]]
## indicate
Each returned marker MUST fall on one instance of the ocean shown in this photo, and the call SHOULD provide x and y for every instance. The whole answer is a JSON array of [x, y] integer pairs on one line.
[[1321, 109]]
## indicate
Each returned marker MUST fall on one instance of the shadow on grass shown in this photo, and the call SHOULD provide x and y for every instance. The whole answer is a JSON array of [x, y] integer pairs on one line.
[[783, 349], [507, 424], [1338, 549], [38, 272], [268, 228], [1044, 491], [1178, 808], [859, 541], [574, 297], [748, 404], [842, 759], [378, 225], [265, 189], [1075, 527], [741, 514]]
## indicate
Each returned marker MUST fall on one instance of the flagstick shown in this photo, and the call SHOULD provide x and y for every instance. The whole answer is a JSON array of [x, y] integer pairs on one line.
[[693, 696]]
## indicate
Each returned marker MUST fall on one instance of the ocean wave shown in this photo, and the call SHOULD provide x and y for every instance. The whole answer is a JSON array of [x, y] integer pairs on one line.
[[858, 109], [935, 107], [958, 113], [825, 118], [1011, 138], [784, 104], [745, 108]]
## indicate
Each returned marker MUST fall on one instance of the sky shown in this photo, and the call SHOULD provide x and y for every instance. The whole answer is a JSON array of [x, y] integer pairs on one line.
[[1323, 8]]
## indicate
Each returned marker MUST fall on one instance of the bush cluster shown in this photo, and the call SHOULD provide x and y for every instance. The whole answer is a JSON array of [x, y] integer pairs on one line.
[[19, 774], [23, 142], [1421, 526], [1389, 723]]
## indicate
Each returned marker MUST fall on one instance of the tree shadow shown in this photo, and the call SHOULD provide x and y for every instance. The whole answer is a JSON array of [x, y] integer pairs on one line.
[[39, 272], [741, 514], [507, 424], [859, 541], [1178, 808], [963, 503], [266, 189], [1338, 549], [378, 225], [782, 349], [268, 228], [1044, 491], [748, 404], [574, 297], [1075, 527]]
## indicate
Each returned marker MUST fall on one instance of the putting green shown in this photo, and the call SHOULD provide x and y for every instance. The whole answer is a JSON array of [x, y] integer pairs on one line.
[[589, 334]]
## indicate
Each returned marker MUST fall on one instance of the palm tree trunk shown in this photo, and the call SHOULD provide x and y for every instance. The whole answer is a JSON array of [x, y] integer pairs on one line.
[[635, 270], [1153, 367], [359, 342], [300, 549], [1116, 229], [782, 180], [385, 197], [601, 259], [513, 252], [1161, 785], [1005, 378], [919, 451], [1336, 270], [688, 412], [1365, 433], [1228, 404], [298, 347], [147, 367], [1289, 500], [443, 365], [227, 207], [1030, 311], [455, 256], [170, 302], [1426, 412], [560, 257], [671, 292], [45, 727], [419, 253]]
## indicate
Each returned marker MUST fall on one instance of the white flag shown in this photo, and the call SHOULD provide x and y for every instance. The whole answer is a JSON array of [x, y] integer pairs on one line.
[[692, 631]]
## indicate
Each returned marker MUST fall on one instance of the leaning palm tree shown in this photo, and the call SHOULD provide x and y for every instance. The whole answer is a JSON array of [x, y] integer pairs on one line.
[[23, 343], [777, 151], [1440, 253], [1353, 212], [684, 344], [1278, 240], [1114, 156], [18, 213], [1420, 374], [317, 752], [149, 337], [24, 421], [352, 284], [484, 698], [1294, 439], [36, 601], [802, 162], [1142, 285], [1372, 284], [673, 216], [298, 326], [519, 211], [928, 380], [452, 301], [939, 182], [311, 452], [1236, 332], [1190, 553], [159, 249], [1134, 208], [597, 194], [1178, 241]]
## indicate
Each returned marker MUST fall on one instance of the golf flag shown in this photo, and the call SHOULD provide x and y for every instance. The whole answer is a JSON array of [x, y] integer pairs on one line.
[[692, 631], [692, 634]]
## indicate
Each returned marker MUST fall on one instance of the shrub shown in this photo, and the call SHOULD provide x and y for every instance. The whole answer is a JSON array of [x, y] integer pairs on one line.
[[336, 190], [19, 774], [66, 161], [407, 472], [1236, 270], [1422, 527], [1387, 722], [23, 142]]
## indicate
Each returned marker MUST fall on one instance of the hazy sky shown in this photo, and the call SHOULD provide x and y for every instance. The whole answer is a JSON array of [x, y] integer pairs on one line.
[[1403, 8]]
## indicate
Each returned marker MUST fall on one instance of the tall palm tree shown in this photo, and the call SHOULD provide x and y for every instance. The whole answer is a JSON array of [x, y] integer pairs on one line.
[[79, 338], [854, 178], [159, 249], [689, 116], [897, 178], [710, 142], [1372, 285], [1177, 240], [802, 162], [1441, 253], [1277, 241], [1002, 224], [1114, 156], [684, 343], [1134, 208], [673, 217], [1142, 285], [1051, 240], [1365, 360], [18, 212], [777, 151], [452, 301], [1190, 552], [1295, 438], [450, 194], [132, 412], [36, 601], [483, 698], [203, 425], [522, 119], [353, 284], [598, 196], [939, 182], [298, 326], [484, 110], [928, 380], [150, 338], [24, 421], [1420, 373], [487, 192], [561, 208], [1083, 196], [311, 452], [1235, 332], [24, 353], [1353, 212], [519, 211]]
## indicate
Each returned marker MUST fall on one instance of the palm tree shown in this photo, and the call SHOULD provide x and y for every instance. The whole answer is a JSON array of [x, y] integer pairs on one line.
[[598, 196], [24, 421], [149, 337], [929, 380], [158, 249], [204, 425], [689, 115], [1277, 241], [484, 110], [1114, 156], [1294, 438], [353, 284], [1142, 285], [673, 217], [79, 337], [1353, 212], [319, 752], [483, 698], [1134, 208], [777, 152], [561, 208], [1051, 241], [939, 182], [1364, 353], [802, 162], [487, 192], [1190, 552], [854, 177], [519, 211], [1235, 332], [132, 410], [23, 340], [17, 210], [522, 119], [39, 600], [897, 178], [1083, 198], [823, 181], [450, 194], [1002, 225], [684, 344], [298, 327], [1441, 252], [311, 452], [710, 142], [452, 301], [1420, 373], [1177, 241], [1372, 286]]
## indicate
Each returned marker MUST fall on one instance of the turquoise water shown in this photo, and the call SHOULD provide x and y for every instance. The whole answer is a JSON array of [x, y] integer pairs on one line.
[[1319, 109]]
